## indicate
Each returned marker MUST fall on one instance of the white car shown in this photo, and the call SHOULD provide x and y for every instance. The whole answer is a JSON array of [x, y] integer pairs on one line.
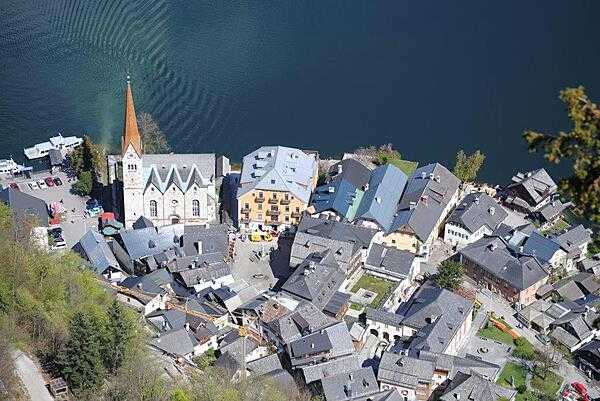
[[33, 185], [42, 184]]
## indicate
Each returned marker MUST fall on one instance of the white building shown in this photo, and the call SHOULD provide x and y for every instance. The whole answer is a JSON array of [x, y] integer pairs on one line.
[[166, 188]]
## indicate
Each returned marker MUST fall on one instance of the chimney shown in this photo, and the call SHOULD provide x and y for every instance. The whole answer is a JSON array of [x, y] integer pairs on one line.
[[366, 186], [424, 199], [423, 175], [492, 210], [457, 396], [339, 168], [378, 199], [187, 326], [412, 205], [312, 345], [431, 176], [438, 178], [476, 201]]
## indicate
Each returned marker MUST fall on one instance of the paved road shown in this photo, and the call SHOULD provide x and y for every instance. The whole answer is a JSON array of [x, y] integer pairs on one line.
[[31, 377]]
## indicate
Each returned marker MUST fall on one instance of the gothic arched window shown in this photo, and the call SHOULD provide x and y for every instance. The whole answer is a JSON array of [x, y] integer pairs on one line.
[[153, 209], [195, 207]]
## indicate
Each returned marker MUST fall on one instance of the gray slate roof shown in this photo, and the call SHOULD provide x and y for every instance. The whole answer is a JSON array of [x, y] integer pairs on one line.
[[182, 170], [146, 242], [383, 316], [96, 250], [380, 201], [389, 260], [151, 283], [348, 386], [492, 254], [428, 192], [178, 342], [25, 206], [278, 168], [531, 188], [305, 319], [316, 279], [213, 238], [477, 210], [334, 340], [473, 387], [317, 235]]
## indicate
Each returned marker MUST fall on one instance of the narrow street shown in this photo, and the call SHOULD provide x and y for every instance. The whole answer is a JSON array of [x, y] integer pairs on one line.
[[32, 379]]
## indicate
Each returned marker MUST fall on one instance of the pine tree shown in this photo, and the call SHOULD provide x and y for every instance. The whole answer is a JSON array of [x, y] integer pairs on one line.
[[467, 167], [450, 274], [119, 331], [81, 359]]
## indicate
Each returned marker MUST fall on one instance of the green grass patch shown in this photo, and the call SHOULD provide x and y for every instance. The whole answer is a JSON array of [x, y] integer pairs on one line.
[[549, 385], [519, 374], [558, 226], [393, 157], [493, 333], [354, 306], [523, 349], [372, 283]]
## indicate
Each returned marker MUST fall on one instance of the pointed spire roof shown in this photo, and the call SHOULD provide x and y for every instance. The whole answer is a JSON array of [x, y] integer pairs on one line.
[[131, 135]]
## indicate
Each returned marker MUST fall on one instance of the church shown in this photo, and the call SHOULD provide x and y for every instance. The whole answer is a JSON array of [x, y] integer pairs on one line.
[[164, 188]]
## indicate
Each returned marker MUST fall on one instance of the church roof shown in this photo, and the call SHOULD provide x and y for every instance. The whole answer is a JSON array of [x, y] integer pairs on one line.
[[131, 135], [182, 170]]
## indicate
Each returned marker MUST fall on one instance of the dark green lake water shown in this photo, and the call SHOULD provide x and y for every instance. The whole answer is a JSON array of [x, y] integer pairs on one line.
[[228, 76]]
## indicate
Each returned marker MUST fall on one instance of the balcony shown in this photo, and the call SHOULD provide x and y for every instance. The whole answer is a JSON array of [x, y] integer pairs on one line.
[[273, 212], [273, 201], [259, 199], [285, 201], [245, 220], [296, 215], [245, 210]]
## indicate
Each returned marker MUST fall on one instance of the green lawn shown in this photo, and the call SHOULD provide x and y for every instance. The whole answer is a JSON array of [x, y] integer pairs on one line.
[[549, 386], [375, 284], [494, 333], [558, 226], [519, 373], [406, 166], [523, 349], [354, 306]]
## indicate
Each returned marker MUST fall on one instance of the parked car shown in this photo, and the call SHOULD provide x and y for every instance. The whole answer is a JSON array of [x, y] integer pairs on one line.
[[59, 243], [55, 232], [14, 185], [41, 184], [58, 181], [49, 181], [33, 185], [91, 204]]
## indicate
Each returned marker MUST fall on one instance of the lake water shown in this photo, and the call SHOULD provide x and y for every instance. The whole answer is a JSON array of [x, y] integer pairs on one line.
[[227, 76]]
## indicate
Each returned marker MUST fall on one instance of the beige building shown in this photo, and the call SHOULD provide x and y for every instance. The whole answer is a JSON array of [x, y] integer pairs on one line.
[[274, 188]]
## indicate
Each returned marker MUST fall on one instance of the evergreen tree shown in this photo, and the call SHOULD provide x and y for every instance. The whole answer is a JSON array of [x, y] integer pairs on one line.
[[450, 274], [467, 167], [81, 358], [579, 146], [119, 331]]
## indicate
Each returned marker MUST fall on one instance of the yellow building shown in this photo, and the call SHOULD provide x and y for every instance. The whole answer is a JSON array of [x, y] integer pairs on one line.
[[275, 187]]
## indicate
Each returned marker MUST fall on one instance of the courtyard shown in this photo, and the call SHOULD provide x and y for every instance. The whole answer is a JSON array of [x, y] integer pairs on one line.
[[371, 290]]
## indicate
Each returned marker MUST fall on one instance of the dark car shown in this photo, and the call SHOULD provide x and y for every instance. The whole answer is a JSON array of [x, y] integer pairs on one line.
[[49, 181], [14, 185], [55, 232], [91, 204], [57, 181]]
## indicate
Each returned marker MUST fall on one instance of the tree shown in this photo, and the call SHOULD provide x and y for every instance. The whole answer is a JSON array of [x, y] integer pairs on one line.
[[467, 167], [80, 359], [179, 395], [119, 331], [153, 139], [449, 274], [84, 184], [546, 361], [579, 146], [207, 359]]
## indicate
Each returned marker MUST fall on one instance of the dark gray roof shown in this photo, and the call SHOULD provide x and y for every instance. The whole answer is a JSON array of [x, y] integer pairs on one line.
[[264, 365], [477, 210], [316, 279], [568, 290], [573, 238], [305, 319], [473, 387], [552, 210], [213, 238], [336, 303], [410, 370], [348, 386], [330, 368], [151, 283], [540, 246], [429, 190], [317, 235], [592, 264], [142, 222], [146, 242], [176, 342], [437, 314], [167, 320], [183, 170], [25, 206], [202, 273], [389, 260], [492, 255], [334, 341], [380, 200], [383, 316], [352, 171], [96, 250], [529, 189]]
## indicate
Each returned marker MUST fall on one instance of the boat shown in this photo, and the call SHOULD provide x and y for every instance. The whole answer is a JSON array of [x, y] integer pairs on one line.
[[10, 167], [63, 143]]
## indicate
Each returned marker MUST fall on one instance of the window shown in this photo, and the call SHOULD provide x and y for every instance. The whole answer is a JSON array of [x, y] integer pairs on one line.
[[132, 167], [153, 209], [274, 195], [259, 216], [287, 218], [260, 194], [195, 207], [287, 197], [287, 208], [260, 206], [246, 206]]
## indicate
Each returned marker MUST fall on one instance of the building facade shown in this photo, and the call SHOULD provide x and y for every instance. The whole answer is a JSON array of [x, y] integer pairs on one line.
[[274, 188], [166, 188]]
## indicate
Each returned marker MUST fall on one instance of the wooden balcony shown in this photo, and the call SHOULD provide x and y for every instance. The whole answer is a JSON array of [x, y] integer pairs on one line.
[[245, 210], [296, 215], [273, 212], [273, 201], [285, 201], [259, 199]]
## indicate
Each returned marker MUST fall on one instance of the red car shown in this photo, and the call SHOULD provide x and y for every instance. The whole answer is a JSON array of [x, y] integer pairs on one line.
[[49, 181], [14, 185]]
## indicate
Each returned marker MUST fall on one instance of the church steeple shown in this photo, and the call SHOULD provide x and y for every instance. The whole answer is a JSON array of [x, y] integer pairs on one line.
[[131, 135]]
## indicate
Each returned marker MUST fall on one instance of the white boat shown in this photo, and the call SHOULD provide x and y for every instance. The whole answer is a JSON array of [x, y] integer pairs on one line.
[[63, 143], [10, 167]]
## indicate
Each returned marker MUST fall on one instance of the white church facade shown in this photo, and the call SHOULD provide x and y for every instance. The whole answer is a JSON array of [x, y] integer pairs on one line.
[[165, 188]]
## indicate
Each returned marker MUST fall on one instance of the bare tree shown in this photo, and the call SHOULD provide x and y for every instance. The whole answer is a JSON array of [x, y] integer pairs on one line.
[[153, 139]]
